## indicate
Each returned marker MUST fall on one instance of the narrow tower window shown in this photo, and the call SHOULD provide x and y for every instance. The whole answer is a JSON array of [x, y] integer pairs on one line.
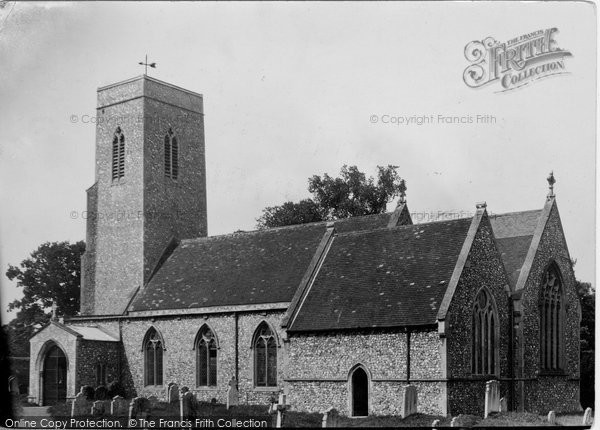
[[171, 155], [118, 155], [551, 309]]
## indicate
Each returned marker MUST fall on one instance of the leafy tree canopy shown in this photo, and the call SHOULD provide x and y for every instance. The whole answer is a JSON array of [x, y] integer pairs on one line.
[[49, 276], [351, 194]]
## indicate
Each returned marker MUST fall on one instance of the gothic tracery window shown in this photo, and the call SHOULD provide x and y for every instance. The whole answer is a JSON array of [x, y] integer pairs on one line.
[[484, 342], [206, 358], [551, 309], [153, 358], [265, 357], [171, 155], [118, 155]]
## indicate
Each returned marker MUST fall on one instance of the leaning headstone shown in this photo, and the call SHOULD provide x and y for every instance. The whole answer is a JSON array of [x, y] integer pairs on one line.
[[232, 393], [409, 402], [492, 398], [101, 393], [503, 405], [98, 408], [435, 424], [552, 417], [454, 422], [330, 418], [118, 406], [587, 417], [173, 396], [187, 404], [81, 405]]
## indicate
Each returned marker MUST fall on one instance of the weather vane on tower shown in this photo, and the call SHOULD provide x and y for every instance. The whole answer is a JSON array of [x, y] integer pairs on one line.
[[146, 64]]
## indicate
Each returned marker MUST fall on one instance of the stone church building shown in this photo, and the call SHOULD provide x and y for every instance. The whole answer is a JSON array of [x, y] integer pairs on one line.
[[342, 314]]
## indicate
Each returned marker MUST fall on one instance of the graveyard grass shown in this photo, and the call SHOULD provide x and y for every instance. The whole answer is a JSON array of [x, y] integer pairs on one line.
[[302, 419]]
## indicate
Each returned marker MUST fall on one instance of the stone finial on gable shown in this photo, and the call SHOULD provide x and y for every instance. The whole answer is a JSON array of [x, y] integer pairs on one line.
[[551, 182]]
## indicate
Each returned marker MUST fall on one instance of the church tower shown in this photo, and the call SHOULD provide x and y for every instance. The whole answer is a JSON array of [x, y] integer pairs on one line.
[[150, 189]]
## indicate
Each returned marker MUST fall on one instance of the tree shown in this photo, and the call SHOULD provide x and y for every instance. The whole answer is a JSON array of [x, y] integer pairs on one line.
[[351, 194], [49, 276], [290, 213]]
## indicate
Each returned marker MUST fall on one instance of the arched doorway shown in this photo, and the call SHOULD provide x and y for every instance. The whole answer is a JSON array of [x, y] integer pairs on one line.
[[54, 377], [360, 393]]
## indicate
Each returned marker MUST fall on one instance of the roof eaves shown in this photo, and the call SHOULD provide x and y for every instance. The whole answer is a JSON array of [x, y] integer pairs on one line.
[[535, 242], [460, 262], [309, 277]]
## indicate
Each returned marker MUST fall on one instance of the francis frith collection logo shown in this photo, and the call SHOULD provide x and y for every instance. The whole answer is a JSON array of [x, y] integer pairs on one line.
[[515, 63]]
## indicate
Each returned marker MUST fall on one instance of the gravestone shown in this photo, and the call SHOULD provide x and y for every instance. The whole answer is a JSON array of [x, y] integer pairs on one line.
[[492, 397], [330, 418], [552, 417], [81, 405], [232, 393], [138, 407], [173, 393], [187, 404], [279, 408], [435, 424], [503, 405], [153, 401], [98, 408], [88, 391], [101, 393], [587, 417], [409, 401], [119, 406]]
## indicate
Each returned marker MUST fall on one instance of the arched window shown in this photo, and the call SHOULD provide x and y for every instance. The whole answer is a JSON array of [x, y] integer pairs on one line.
[[118, 155], [153, 358], [171, 155], [551, 310], [485, 329], [206, 358], [265, 357]]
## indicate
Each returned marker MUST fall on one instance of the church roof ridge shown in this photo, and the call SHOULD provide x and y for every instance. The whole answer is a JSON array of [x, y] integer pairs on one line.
[[284, 227]]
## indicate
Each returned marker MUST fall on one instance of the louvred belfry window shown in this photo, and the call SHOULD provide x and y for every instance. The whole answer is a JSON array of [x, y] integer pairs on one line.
[[171, 155], [484, 340], [206, 358], [551, 317], [265, 357], [153, 358], [118, 155]]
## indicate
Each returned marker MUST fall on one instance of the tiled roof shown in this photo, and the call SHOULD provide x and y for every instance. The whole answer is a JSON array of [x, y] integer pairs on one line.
[[245, 268], [383, 278], [513, 232], [257, 267], [513, 251], [515, 224], [93, 333]]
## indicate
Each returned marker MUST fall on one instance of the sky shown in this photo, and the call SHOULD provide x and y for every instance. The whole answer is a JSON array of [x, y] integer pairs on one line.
[[297, 89]]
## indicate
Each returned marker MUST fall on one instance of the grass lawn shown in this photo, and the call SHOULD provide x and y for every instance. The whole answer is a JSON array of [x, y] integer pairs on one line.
[[313, 420]]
